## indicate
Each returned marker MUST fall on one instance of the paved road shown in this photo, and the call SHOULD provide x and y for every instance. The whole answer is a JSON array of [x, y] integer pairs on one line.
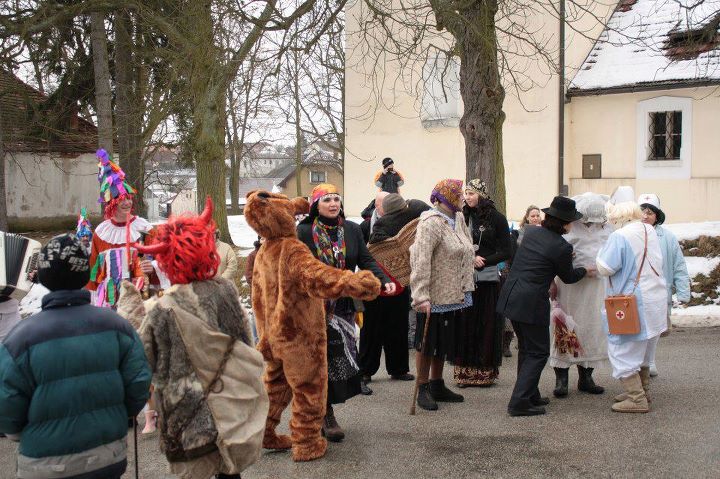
[[579, 437]]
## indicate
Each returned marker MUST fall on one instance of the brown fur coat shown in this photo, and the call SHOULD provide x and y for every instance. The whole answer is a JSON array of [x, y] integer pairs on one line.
[[187, 429], [288, 287]]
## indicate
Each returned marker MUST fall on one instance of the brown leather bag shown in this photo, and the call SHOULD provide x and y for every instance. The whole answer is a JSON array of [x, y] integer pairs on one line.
[[622, 310]]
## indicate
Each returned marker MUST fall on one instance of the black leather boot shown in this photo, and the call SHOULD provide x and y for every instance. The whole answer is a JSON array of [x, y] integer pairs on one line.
[[441, 393], [586, 383], [507, 339], [330, 428], [561, 382], [425, 399]]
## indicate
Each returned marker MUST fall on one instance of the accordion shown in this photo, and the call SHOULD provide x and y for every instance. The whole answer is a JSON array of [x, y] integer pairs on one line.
[[18, 258]]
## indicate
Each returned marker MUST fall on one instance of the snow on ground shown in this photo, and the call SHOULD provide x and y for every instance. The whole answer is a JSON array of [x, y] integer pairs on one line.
[[698, 264], [691, 231], [696, 316]]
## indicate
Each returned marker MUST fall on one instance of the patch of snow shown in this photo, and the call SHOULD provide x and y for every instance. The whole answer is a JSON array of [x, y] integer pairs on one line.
[[697, 316], [630, 50], [32, 303], [242, 234], [690, 231], [697, 265]]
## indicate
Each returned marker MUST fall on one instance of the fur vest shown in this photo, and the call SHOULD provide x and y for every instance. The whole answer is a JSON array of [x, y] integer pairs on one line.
[[187, 427]]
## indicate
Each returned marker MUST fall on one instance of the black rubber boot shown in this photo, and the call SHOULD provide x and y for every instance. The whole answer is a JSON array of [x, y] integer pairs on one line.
[[586, 383], [441, 393], [425, 399], [561, 382]]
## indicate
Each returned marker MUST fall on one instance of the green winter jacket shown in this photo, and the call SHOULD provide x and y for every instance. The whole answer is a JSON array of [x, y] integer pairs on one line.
[[70, 376]]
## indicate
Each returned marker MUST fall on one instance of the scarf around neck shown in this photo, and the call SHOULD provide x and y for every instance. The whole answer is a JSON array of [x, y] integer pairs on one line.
[[329, 251]]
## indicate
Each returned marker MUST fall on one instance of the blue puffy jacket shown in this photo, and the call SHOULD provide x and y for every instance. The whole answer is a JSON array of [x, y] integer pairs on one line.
[[71, 376]]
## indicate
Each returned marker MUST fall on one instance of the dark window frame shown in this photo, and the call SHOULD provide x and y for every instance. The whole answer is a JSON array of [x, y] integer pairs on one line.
[[665, 135]]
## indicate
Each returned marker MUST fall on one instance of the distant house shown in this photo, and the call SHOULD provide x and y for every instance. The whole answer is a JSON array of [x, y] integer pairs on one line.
[[318, 167], [50, 171], [645, 107]]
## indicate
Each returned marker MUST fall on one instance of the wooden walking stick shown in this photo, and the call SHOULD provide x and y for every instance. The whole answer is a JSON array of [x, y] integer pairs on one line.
[[417, 377]]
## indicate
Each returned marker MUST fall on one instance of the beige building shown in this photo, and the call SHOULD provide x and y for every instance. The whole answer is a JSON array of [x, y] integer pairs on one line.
[[311, 175], [645, 113], [418, 127]]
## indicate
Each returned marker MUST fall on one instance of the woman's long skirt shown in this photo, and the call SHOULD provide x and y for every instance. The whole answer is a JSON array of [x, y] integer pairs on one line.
[[440, 341], [478, 350]]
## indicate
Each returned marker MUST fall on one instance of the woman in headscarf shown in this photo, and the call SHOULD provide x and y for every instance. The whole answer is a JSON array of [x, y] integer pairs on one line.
[[581, 301], [441, 282], [480, 331], [632, 259], [338, 243]]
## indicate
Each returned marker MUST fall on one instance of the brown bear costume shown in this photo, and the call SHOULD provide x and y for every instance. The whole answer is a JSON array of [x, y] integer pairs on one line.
[[288, 287]]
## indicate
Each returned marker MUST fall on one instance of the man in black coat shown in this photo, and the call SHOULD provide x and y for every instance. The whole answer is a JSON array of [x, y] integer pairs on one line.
[[543, 254], [385, 325]]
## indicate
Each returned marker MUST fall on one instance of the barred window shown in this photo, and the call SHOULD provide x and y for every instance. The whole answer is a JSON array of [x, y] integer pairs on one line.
[[665, 135]]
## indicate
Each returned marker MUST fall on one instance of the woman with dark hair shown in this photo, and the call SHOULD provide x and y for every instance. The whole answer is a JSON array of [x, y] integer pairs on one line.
[[338, 243], [674, 267], [523, 299], [480, 330]]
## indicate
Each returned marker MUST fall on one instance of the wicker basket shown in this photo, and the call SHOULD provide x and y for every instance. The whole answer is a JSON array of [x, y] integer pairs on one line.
[[394, 253]]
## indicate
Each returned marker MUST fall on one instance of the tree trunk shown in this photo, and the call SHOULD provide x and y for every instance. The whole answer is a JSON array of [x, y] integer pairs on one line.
[[298, 132], [101, 69], [208, 85], [483, 95], [3, 189], [128, 118], [232, 136]]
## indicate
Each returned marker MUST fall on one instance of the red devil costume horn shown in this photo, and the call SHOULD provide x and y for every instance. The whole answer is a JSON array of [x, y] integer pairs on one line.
[[206, 215]]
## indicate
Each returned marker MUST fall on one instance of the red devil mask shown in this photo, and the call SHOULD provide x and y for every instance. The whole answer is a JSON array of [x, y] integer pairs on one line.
[[184, 247]]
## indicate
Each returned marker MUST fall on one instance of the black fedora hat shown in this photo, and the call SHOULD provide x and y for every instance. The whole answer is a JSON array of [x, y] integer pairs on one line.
[[563, 208]]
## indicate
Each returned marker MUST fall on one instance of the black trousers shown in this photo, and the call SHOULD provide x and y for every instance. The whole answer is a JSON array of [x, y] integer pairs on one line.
[[533, 353], [385, 326]]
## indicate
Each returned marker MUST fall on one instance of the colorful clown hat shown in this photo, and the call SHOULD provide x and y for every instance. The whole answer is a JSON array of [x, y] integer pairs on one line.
[[84, 228], [111, 178]]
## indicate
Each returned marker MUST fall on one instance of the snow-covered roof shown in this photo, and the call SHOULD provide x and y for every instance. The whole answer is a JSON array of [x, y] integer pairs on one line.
[[649, 43]]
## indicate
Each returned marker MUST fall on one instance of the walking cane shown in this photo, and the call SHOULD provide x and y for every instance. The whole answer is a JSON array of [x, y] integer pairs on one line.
[[417, 379], [137, 473]]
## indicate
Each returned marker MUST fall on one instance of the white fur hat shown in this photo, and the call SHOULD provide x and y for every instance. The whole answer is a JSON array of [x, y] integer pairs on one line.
[[592, 207], [622, 194], [650, 199]]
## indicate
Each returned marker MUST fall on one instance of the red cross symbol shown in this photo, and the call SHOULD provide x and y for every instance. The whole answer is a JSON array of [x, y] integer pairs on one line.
[[620, 315]]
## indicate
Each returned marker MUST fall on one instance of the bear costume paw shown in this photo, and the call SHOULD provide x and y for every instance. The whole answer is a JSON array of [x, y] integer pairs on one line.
[[365, 286], [276, 441], [309, 452]]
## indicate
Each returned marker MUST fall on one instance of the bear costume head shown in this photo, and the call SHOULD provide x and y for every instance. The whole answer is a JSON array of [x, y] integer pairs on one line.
[[272, 215]]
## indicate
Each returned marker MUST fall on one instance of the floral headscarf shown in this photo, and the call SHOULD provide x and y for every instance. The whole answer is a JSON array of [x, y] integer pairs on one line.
[[448, 192]]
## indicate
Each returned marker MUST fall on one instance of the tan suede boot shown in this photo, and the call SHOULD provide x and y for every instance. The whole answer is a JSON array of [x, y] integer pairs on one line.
[[636, 400], [645, 379]]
